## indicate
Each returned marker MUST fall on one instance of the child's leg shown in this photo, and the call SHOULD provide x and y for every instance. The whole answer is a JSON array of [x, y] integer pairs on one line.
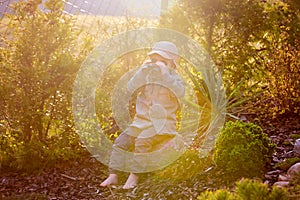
[[131, 182], [144, 145], [125, 142], [112, 179]]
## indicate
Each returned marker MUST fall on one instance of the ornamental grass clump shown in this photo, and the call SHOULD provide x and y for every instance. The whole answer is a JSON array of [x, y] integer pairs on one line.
[[242, 150]]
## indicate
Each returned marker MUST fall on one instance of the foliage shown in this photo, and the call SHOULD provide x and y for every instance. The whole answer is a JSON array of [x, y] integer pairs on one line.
[[40, 54], [253, 43], [34, 156], [186, 167], [283, 92], [226, 29], [246, 189], [9, 145], [281, 63], [38, 65], [39, 59], [295, 136], [216, 195], [287, 163], [294, 185], [242, 150]]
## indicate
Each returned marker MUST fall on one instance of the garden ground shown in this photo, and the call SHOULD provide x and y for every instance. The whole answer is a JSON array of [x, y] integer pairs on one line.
[[80, 179]]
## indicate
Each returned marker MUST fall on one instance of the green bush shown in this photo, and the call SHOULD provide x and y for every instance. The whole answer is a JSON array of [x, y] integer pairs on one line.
[[294, 186], [283, 82], [39, 58], [34, 156], [217, 195], [246, 189], [40, 54], [9, 144], [258, 55], [242, 150]]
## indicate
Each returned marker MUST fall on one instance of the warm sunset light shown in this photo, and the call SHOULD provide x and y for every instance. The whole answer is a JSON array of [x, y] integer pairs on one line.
[[149, 99]]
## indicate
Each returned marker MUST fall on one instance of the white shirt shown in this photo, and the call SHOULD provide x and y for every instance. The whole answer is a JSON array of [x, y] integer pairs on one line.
[[157, 101]]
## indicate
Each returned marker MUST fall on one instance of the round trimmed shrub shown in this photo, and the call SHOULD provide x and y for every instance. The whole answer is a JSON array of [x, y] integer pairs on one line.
[[242, 150]]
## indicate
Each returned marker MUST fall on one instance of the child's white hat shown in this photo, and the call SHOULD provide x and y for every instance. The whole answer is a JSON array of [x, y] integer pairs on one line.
[[165, 49]]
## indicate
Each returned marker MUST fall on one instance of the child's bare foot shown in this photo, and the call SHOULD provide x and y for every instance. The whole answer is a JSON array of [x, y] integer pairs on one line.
[[131, 181], [112, 179]]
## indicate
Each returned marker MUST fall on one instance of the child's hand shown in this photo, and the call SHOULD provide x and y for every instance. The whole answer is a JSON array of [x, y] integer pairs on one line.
[[163, 67]]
